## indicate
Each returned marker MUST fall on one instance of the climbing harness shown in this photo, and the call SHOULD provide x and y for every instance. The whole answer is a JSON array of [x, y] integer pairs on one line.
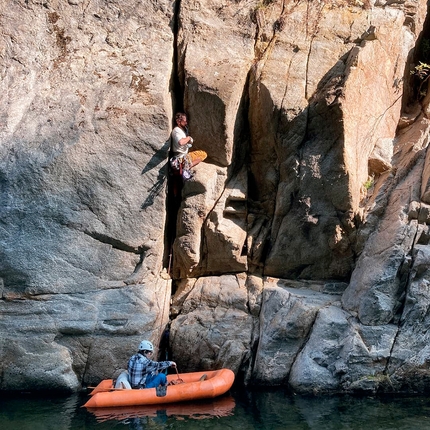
[[181, 164]]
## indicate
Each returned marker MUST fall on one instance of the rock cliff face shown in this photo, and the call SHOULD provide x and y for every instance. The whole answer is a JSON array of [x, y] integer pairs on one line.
[[298, 255]]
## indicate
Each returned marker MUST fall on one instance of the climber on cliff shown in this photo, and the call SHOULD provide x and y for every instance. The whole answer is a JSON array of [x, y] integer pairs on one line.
[[144, 372], [183, 159]]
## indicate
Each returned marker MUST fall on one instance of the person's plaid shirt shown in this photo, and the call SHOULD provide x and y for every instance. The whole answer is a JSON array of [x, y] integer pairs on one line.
[[139, 367]]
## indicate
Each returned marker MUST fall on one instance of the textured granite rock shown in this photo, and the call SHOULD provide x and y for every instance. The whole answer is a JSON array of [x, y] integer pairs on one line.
[[297, 255]]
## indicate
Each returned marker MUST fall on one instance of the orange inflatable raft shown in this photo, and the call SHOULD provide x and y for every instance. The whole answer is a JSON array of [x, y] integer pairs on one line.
[[193, 386]]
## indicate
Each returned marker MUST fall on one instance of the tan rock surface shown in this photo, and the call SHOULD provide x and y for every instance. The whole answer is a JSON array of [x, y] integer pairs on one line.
[[300, 246], [84, 118]]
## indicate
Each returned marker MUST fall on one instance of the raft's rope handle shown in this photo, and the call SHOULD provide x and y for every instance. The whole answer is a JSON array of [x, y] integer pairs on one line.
[[177, 372], [178, 380]]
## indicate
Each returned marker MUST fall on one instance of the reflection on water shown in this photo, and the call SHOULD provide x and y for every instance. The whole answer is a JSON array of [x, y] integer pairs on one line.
[[221, 407], [37, 413], [241, 410]]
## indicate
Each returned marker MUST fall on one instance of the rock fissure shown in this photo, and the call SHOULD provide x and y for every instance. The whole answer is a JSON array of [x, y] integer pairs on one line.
[[116, 243], [177, 86], [388, 362], [382, 115], [302, 346], [174, 188]]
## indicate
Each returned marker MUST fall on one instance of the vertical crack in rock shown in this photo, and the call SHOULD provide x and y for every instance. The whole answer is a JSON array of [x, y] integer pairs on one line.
[[166, 303], [302, 346], [312, 34], [406, 283], [381, 117], [174, 186], [262, 48], [287, 75], [255, 339], [387, 365], [87, 363], [175, 83]]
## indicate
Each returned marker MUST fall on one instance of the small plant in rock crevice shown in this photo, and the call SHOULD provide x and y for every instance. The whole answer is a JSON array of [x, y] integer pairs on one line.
[[369, 183], [422, 72]]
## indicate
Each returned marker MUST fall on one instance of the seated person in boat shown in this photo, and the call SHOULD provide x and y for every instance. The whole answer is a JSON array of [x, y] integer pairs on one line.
[[144, 372]]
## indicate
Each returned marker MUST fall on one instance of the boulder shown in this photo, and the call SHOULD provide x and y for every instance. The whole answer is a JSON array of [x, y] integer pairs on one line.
[[214, 327], [82, 338], [408, 366], [342, 355], [286, 318]]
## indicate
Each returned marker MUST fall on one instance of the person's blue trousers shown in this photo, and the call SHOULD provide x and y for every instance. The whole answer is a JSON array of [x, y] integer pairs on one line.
[[155, 380]]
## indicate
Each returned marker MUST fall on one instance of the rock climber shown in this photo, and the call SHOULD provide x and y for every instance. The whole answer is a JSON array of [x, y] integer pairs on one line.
[[181, 142], [143, 371]]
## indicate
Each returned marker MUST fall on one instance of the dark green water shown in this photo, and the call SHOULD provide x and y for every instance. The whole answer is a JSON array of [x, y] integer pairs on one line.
[[253, 410]]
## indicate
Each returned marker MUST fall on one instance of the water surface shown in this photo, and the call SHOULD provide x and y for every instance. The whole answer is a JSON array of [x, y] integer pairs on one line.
[[239, 410]]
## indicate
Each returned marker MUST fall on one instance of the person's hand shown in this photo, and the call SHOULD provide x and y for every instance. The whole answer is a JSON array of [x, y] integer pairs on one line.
[[173, 364], [191, 140]]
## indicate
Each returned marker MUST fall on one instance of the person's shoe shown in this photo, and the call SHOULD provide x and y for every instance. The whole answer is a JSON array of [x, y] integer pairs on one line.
[[161, 390]]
